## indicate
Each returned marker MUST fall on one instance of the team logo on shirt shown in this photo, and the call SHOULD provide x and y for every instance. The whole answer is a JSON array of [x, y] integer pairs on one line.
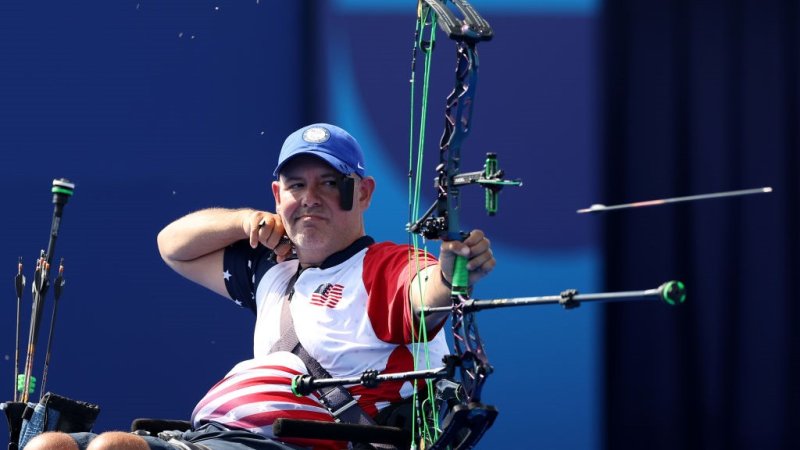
[[327, 295]]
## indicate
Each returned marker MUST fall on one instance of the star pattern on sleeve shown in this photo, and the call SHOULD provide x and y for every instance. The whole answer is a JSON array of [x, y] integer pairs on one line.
[[227, 275]]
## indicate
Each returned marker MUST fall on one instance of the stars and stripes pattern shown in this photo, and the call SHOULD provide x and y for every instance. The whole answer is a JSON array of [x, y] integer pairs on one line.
[[257, 392], [327, 295]]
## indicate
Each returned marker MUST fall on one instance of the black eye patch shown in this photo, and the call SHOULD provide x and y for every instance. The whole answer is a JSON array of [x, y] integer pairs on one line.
[[347, 186]]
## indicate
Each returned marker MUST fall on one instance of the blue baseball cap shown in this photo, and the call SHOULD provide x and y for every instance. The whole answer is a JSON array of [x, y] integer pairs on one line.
[[329, 142]]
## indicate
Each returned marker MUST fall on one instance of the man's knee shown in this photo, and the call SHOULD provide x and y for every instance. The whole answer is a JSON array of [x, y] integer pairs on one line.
[[52, 441], [118, 440]]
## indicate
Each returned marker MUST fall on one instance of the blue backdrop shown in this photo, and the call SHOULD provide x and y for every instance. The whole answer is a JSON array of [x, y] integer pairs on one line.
[[156, 109]]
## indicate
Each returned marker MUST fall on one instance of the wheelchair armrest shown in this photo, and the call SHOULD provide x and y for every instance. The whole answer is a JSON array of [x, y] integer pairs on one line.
[[367, 434], [155, 426]]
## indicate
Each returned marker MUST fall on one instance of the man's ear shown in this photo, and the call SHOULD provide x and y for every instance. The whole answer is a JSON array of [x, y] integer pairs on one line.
[[276, 192], [366, 187]]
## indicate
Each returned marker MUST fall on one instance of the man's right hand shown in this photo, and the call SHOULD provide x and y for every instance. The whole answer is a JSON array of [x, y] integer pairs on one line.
[[267, 228]]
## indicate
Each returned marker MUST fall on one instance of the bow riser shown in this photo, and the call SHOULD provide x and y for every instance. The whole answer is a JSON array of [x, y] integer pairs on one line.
[[458, 120]]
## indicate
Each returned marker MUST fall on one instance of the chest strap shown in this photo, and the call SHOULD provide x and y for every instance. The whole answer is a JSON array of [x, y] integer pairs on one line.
[[336, 399]]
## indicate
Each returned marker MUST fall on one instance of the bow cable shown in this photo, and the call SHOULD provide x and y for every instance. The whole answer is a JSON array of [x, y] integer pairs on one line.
[[422, 428]]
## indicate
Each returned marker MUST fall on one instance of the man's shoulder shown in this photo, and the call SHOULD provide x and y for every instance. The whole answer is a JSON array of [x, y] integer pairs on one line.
[[387, 249], [387, 245], [380, 252]]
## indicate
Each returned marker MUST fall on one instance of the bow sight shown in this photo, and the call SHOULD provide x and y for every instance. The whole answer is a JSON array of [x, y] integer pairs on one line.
[[490, 178]]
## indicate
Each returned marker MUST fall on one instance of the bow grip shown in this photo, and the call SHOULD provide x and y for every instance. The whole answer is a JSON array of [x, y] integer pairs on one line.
[[460, 276]]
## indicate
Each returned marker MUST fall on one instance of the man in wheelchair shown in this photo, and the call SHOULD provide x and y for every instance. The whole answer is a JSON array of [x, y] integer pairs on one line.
[[329, 302]]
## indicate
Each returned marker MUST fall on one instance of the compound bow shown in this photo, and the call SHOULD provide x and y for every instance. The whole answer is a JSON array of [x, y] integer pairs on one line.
[[466, 417]]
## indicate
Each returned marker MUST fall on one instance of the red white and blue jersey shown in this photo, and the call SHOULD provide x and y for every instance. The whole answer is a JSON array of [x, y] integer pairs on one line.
[[351, 314]]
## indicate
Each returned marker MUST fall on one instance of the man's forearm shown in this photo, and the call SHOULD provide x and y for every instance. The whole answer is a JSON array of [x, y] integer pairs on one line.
[[436, 294], [202, 232]]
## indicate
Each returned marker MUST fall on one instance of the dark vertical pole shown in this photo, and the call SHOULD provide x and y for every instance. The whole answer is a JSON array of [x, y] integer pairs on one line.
[[614, 103], [689, 436], [732, 322], [791, 56]]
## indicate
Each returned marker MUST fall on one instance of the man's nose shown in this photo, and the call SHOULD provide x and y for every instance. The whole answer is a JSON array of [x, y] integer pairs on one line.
[[312, 196]]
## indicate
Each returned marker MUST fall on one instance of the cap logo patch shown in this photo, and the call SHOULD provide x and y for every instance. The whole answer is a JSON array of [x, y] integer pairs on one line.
[[316, 135]]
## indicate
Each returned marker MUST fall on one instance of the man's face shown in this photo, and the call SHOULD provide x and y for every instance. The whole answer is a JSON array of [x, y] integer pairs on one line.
[[307, 199]]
